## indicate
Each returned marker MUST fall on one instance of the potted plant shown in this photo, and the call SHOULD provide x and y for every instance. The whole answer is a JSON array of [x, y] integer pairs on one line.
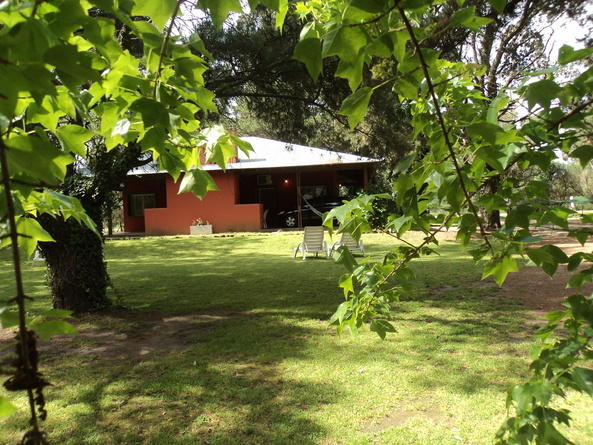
[[199, 228]]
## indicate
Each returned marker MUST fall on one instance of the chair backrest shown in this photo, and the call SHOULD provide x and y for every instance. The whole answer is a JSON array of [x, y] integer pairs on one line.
[[348, 241], [313, 237]]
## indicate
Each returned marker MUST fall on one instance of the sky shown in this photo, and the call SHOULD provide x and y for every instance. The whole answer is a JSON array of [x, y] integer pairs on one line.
[[567, 32]]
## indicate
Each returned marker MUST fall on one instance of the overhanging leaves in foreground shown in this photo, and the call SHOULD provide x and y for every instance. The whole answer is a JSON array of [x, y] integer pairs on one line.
[[465, 143], [76, 73]]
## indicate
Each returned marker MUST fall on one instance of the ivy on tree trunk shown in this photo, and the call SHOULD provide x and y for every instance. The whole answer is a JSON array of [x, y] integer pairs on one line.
[[77, 271]]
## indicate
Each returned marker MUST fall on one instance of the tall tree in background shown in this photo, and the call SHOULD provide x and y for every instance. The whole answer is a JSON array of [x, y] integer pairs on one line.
[[517, 40], [77, 271], [78, 276], [261, 89]]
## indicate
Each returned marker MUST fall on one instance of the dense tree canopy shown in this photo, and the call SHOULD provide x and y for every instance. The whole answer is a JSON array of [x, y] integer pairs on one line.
[[69, 78], [262, 89]]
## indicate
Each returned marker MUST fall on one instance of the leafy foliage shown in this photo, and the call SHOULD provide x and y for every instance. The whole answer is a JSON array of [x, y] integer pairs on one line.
[[469, 145], [67, 78], [263, 88]]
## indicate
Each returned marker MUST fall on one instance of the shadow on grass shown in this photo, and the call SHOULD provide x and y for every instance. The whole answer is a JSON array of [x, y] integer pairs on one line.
[[202, 356], [220, 382]]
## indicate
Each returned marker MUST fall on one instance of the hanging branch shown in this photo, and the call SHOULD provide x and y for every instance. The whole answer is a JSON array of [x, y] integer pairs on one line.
[[26, 376], [164, 47], [443, 126]]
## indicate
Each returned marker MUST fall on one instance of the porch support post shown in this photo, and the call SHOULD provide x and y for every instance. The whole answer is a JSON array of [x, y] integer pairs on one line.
[[299, 206]]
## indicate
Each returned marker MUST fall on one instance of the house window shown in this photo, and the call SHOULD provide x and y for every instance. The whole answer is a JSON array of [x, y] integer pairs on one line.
[[313, 191], [140, 201]]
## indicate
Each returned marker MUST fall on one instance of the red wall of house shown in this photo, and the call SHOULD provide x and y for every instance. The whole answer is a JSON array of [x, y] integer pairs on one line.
[[155, 183], [235, 207], [218, 208]]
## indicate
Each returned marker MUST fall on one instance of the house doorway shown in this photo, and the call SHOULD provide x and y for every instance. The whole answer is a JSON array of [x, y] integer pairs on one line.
[[267, 197]]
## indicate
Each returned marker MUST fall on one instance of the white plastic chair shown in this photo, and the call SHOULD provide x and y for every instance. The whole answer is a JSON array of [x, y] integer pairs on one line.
[[349, 242], [37, 258], [313, 242]]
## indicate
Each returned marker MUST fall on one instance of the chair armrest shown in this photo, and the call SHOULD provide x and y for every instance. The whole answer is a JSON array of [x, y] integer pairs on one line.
[[296, 249]]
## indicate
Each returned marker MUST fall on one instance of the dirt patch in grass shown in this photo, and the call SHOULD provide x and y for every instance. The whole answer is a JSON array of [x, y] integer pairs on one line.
[[535, 289], [423, 408], [151, 336], [137, 339]]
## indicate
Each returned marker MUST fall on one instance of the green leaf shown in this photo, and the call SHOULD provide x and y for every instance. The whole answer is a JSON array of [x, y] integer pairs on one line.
[[347, 283], [355, 106], [466, 17], [551, 436], [581, 235], [381, 327], [583, 377], [196, 42], [496, 105], [557, 216], [498, 5], [47, 329], [522, 395], [500, 268], [34, 39], [73, 66], [244, 146], [50, 162], [493, 134], [6, 408], [308, 51], [337, 318], [542, 93], [343, 256], [372, 6], [351, 71], [198, 182], [555, 317], [383, 46], [221, 152], [30, 232], [406, 89], [567, 54], [415, 4], [547, 257], [345, 42], [583, 153], [219, 9], [160, 11], [492, 202], [153, 113], [519, 216], [8, 318], [578, 279], [405, 163], [73, 137], [57, 313]]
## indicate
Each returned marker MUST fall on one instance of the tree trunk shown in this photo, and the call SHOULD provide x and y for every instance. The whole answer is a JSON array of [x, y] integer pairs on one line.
[[492, 218], [110, 221], [77, 271]]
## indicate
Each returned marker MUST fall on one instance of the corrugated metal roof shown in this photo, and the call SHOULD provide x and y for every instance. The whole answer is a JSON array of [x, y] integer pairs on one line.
[[270, 154]]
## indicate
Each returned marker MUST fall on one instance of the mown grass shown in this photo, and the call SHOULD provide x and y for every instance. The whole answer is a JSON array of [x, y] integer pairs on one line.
[[259, 363]]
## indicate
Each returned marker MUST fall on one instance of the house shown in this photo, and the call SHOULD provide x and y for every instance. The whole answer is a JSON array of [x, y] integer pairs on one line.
[[251, 190]]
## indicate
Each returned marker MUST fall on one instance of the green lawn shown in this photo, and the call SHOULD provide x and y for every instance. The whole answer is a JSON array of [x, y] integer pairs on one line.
[[234, 347]]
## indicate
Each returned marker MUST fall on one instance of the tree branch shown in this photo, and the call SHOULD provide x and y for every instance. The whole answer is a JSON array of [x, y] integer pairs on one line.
[[443, 126], [164, 47]]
